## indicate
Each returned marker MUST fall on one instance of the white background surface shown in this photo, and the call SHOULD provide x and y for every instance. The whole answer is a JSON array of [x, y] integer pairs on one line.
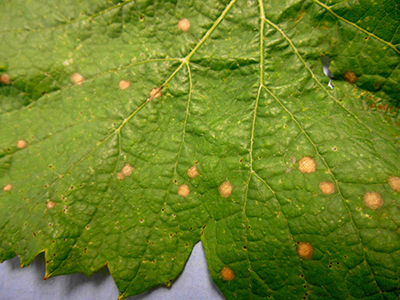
[[27, 284]]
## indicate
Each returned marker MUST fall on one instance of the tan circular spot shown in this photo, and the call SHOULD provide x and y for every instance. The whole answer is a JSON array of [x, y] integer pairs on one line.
[[50, 204], [227, 273], [7, 188], [193, 172], [120, 176], [184, 25], [5, 79], [373, 200], [327, 187], [304, 250], [350, 77], [307, 165], [77, 78], [155, 93], [183, 190], [225, 189], [123, 84], [394, 183], [21, 144], [127, 170]]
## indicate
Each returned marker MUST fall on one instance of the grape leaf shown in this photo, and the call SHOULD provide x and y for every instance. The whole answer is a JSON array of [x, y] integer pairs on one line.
[[131, 130]]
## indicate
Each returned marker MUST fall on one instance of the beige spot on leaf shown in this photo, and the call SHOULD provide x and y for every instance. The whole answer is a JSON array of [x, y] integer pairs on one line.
[[373, 200], [7, 188], [350, 77], [225, 189], [155, 93], [307, 165], [394, 183], [327, 187], [304, 250], [120, 176], [184, 25], [77, 78], [183, 190], [21, 144], [51, 204], [227, 273], [193, 172], [123, 84], [127, 170], [5, 79]]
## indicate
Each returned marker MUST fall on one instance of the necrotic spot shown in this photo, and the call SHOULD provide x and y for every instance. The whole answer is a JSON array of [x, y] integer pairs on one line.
[[50, 205], [183, 190], [304, 250], [227, 273], [350, 77], [307, 165], [21, 144], [5, 79], [184, 25], [327, 187], [193, 172], [373, 200], [77, 78], [225, 189], [7, 188], [123, 84], [394, 183], [127, 170]]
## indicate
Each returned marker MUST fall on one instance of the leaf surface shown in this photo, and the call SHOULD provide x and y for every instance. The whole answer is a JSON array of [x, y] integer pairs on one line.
[[95, 172]]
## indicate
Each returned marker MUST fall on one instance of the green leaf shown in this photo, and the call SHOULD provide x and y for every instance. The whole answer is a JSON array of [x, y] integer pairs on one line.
[[297, 192]]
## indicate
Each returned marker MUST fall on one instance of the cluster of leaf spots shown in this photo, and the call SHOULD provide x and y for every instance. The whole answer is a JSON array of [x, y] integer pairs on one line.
[[126, 170]]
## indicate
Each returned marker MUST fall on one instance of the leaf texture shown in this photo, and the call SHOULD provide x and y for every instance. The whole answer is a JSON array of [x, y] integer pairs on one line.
[[106, 105]]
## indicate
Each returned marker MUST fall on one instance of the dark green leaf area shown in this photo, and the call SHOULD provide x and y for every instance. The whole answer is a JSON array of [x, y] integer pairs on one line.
[[127, 138]]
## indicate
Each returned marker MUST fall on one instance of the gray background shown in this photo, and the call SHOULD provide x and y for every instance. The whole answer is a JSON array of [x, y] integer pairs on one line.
[[27, 284]]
